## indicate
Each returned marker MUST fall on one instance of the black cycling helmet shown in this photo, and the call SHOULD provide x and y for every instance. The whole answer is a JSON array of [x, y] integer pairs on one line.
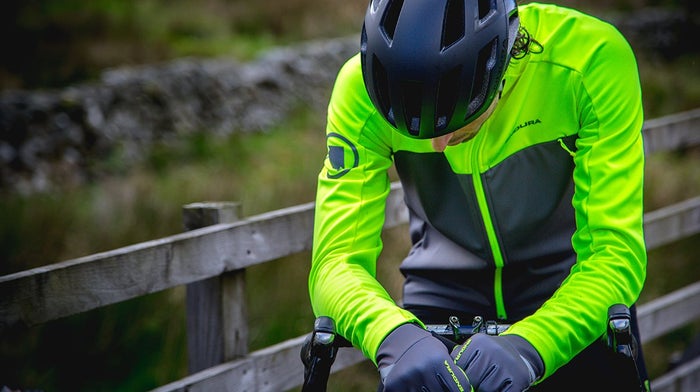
[[432, 66]]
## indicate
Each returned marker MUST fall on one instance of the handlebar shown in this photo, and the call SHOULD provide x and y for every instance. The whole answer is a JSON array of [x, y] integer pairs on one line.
[[458, 333], [623, 344], [321, 347], [318, 354]]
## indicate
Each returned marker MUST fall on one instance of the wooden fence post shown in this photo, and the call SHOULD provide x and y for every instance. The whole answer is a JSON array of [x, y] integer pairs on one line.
[[217, 323]]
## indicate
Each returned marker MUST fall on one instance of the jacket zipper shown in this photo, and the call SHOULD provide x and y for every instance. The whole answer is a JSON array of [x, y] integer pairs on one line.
[[490, 229]]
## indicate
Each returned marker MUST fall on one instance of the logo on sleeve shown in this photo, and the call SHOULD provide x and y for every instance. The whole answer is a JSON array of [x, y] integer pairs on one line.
[[342, 156]]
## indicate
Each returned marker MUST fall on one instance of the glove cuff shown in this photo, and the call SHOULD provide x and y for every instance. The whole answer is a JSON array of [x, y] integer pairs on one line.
[[528, 354], [398, 342]]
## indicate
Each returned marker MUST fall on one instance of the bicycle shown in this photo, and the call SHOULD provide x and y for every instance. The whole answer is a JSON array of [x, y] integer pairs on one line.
[[321, 346]]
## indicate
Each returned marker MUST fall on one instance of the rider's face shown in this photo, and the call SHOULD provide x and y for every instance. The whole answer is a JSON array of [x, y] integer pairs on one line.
[[465, 133]]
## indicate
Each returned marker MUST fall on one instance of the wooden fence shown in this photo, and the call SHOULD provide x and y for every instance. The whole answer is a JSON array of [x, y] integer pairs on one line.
[[211, 258]]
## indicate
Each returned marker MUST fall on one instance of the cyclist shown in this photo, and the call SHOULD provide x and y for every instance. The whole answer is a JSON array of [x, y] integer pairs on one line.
[[516, 135]]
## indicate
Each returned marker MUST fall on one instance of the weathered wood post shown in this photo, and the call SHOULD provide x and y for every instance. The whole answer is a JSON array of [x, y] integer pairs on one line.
[[217, 323]]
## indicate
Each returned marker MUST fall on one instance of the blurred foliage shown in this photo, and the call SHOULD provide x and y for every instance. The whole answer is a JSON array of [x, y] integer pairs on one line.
[[56, 42], [52, 43], [140, 344]]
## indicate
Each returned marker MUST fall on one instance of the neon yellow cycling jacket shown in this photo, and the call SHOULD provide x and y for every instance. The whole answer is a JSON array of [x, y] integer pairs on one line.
[[536, 221]]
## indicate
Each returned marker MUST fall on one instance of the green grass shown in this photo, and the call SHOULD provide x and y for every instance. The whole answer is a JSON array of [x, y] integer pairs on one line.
[[670, 86]]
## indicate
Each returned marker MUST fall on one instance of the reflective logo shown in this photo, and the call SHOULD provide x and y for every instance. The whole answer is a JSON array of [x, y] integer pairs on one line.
[[527, 124], [342, 155]]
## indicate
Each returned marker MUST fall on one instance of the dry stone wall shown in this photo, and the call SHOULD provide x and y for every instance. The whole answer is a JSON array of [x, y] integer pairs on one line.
[[57, 137]]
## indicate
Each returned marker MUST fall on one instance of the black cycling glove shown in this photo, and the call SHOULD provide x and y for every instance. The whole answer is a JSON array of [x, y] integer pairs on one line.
[[499, 363], [412, 359]]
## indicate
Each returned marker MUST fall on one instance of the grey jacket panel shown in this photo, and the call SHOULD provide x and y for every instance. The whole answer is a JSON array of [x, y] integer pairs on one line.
[[451, 264]]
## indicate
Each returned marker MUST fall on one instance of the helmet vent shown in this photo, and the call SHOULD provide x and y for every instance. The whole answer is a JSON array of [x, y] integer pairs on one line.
[[484, 66], [381, 86], [486, 7], [412, 96], [391, 18], [453, 29], [448, 92]]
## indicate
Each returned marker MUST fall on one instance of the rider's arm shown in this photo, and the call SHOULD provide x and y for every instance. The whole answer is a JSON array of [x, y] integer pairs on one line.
[[608, 176], [349, 216]]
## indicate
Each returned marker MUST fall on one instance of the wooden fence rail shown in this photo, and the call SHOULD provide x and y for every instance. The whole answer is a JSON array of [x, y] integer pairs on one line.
[[212, 256]]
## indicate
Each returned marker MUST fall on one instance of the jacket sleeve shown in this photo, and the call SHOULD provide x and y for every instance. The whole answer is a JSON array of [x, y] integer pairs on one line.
[[608, 203], [349, 217]]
